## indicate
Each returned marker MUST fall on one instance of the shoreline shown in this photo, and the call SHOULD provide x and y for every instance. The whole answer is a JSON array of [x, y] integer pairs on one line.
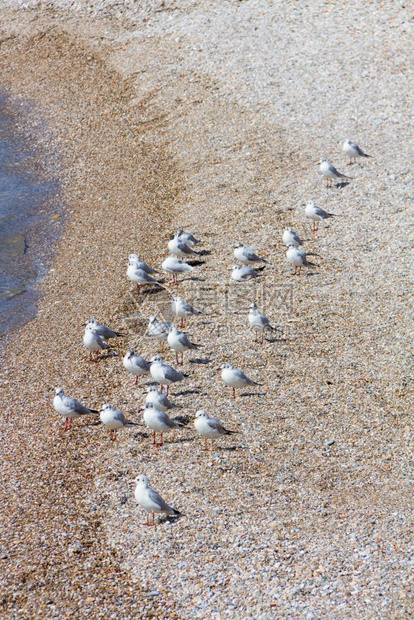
[[156, 131]]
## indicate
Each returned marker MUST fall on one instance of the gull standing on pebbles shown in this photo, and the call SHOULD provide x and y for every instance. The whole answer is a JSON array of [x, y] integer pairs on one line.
[[159, 400], [182, 309], [353, 151], [176, 266], [136, 365], [104, 332], [235, 378], [151, 502], [140, 277], [178, 247], [69, 408], [158, 329], [316, 214], [290, 237], [241, 274], [164, 374], [114, 419], [209, 428], [329, 172], [245, 254], [258, 322], [93, 342], [297, 258], [159, 422], [179, 342], [141, 264], [187, 237]]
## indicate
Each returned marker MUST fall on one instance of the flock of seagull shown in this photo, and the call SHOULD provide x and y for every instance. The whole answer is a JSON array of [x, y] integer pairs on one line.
[[157, 403]]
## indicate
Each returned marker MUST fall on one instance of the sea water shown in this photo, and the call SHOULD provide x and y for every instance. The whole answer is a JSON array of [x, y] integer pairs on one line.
[[28, 203]]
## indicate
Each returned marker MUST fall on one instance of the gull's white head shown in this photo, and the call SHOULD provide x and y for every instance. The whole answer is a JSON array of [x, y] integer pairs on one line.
[[106, 407], [201, 414], [129, 354], [59, 392], [226, 366], [141, 480], [253, 306], [157, 359], [310, 203]]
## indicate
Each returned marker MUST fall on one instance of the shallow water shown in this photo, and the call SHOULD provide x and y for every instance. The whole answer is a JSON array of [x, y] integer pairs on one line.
[[28, 200]]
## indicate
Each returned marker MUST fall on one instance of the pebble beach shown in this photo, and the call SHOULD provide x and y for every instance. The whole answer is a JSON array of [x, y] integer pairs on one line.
[[212, 116]]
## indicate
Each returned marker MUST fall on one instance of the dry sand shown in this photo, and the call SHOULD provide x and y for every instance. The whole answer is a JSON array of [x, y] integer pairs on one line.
[[210, 116]]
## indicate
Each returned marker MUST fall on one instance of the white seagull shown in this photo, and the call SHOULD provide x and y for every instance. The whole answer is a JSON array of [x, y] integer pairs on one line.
[[175, 266], [69, 408], [158, 329], [141, 264], [93, 342], [178, 247], [179, 342], [258, 322], [114, 419], [136, 365], [187, 237], [245, 254], [353, 151], [164, 374], [316, 214], [290, 237], [329, 172], [297, 258], [104, 332], [158, 399], [235, 378], [159, 422], [182, 309], [140, 277], [209, 428], [241, 274], [151, 502]]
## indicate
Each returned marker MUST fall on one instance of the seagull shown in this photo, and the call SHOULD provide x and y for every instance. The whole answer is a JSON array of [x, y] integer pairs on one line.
[[159, 422], [187, 237], [140, 277], [93, 342], [235, 378], [69, 408], [158, 329], [209, 428], [316, 214], [159, 400], [164, 374], [141, 264], [104, 332], [258, 322], [240, 274], [178, 247], [151, 502], [114, 419], [290, 237], [330, 172], [245, 254], [353, 151], [297, 258], [175, 266], [179, 343], [182, 309], [136, 365]]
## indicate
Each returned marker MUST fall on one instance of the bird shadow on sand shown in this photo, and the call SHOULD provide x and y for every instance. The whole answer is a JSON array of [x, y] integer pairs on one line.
[[189, 392], [193, 279], [183, 440], [107, 356], [196, 263], [342, 184], [204, 253], [141, 435], [245, 394], [200, 361], [273, 340]]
